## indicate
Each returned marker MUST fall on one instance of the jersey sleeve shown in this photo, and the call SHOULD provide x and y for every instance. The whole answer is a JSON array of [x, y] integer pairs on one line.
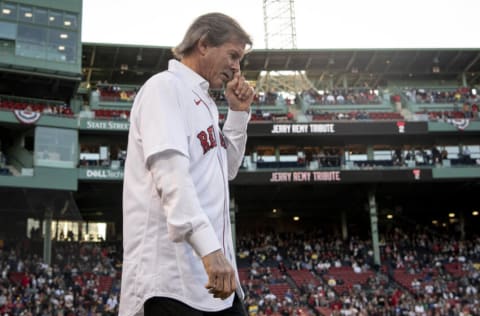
[[160, 119], [185, 220], [235, 131]]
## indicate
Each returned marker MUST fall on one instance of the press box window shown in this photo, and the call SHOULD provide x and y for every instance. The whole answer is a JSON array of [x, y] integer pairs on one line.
[[26, 14], [56, 147], [55, 18], [31, 41], [40, 16], [8, 11], [70, 22]]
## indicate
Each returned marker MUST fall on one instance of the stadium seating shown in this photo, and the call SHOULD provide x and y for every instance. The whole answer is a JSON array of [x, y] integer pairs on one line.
[[44, 108], [455, 269], [299, 285], [357, 115], [111, 114], [347, 277], [301, 277]]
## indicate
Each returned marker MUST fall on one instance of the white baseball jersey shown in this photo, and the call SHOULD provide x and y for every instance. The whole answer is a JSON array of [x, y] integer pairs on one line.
[[164, 240]]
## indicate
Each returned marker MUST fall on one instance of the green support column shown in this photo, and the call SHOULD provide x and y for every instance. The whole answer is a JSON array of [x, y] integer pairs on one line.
[[277, 153], [345, 83], [370, 152], [47, 238], [374, 226], [344, 225]]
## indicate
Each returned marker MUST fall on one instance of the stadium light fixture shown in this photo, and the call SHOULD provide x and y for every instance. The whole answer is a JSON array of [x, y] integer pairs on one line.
[[6, 11], [435, 222], [475, 213], [274, 211], [296, 218], [389, 216], [28, 15], [451, 215]]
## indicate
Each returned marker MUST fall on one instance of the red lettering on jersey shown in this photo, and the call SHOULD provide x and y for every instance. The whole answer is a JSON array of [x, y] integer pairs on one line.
[[203, 138], [207, 139], [222, 141], [211, 136]]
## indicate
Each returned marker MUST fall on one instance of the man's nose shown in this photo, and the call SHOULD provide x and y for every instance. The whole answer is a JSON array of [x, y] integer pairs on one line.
[[236, 66]]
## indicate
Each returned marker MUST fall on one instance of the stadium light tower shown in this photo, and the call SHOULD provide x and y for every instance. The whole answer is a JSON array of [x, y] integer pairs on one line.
[[279, 24], [280, 33]]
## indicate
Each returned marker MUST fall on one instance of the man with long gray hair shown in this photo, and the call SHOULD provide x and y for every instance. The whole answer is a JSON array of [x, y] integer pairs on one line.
[[178, 251]]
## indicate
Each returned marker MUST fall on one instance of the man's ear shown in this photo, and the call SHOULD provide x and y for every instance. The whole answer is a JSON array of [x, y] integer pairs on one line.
[[202, 45]]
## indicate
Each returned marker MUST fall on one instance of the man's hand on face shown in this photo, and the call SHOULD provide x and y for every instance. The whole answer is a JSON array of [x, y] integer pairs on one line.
[[238, 93]]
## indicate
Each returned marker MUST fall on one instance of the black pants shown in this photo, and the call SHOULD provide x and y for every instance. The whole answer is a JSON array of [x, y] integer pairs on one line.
[[162, 306]]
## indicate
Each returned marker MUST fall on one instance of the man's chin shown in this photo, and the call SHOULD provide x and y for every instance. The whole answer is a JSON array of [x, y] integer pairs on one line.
[[217, 85]]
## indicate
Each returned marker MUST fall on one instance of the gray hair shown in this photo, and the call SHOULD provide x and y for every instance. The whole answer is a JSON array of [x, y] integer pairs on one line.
[[216, 28]]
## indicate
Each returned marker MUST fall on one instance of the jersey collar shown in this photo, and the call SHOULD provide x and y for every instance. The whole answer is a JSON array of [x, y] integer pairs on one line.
[[188, 74]]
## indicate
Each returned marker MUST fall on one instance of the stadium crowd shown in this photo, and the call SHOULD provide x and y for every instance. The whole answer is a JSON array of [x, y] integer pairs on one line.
[[443, 272], [82, 280], [39, 107], [464, 103], [425, 95], [302, 273], [341, 96]]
